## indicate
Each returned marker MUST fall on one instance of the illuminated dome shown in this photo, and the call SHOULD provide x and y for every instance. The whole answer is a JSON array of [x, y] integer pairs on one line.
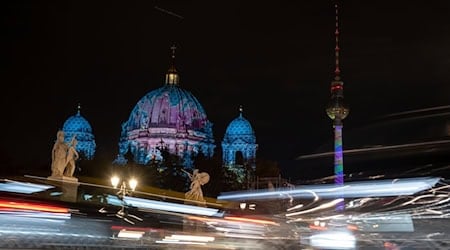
[[168, 106], [239, 137], [240, 128], [78, 126], [169, 116]]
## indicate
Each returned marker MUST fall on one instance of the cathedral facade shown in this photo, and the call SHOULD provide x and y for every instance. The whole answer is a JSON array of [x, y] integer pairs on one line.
[[171, 118]]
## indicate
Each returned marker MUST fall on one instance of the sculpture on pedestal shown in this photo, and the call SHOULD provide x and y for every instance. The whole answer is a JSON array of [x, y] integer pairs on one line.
[[59, 155], [63, 156], [197, 181], [72, 156]]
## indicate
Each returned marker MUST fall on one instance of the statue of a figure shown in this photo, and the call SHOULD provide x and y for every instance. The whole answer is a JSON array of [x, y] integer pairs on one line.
[[144, 121], [59, 155], [197, 180], [72, 156]]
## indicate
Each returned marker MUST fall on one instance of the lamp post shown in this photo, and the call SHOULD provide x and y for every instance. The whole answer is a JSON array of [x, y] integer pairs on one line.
[[124, 190]]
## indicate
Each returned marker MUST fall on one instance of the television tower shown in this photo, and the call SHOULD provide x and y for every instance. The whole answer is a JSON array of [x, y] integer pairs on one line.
[[337, 111]]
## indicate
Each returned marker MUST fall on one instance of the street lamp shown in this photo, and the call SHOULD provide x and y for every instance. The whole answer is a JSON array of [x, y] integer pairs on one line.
[[123, 191], [124, 188]]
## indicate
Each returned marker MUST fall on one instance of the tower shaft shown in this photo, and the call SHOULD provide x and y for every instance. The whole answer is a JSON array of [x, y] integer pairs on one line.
[[337, 111]]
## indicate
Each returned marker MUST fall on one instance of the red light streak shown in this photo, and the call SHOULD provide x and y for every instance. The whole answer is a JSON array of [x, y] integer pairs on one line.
[[32, 206], [234, 219]]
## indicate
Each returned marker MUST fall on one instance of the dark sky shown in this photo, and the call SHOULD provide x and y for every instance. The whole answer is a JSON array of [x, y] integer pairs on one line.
[[273, 57]]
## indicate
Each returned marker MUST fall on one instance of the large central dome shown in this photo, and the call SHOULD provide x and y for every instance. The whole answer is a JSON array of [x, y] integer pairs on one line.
[[168, 106], [169, 117]]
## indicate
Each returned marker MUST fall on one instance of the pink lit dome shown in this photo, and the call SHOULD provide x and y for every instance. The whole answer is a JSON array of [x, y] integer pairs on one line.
[[169, 117]]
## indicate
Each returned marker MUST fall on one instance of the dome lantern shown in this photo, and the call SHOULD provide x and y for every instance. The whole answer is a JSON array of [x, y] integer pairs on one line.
[[172, 77]]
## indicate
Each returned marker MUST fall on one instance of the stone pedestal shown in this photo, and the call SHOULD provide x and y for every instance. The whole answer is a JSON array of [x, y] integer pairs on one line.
[[69, 187]]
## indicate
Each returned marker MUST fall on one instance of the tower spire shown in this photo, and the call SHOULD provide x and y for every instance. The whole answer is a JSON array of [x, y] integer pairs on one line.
[[337, 70], [172, 77], [241, 109]]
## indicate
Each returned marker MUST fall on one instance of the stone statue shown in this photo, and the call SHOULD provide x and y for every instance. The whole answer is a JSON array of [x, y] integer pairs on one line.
[[72, 156], [59, 155], [197, 181]]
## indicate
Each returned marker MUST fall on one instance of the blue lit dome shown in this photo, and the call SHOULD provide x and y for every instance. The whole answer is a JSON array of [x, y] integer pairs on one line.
[[78, 126], [240, 128], [239, 137]]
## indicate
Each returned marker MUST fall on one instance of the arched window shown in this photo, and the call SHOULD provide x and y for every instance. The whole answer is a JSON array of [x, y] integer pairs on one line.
[[239, 158]]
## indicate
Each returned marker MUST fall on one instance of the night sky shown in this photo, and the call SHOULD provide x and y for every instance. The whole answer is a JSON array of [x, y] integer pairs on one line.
[[276, 58]]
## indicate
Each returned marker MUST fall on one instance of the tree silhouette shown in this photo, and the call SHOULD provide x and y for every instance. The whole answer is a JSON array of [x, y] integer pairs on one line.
[[171, 176], [129, 156]]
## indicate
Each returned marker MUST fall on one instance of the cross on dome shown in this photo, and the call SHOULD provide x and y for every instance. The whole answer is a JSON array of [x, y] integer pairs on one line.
[[78, 108], [173, 48]]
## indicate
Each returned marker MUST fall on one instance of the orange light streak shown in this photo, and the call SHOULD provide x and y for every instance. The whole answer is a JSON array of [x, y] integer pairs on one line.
[[32, 206], [251, 220]]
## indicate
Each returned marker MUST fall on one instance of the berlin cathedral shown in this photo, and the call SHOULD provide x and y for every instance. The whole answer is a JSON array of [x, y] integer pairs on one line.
[[172, 118]]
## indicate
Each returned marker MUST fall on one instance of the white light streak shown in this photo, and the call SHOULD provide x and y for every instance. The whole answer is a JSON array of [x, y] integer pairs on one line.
[[333, 240], [295, 207], [191, 238], [171, 207], [130, 234], [376, 188], [22, 187], [323, 206]]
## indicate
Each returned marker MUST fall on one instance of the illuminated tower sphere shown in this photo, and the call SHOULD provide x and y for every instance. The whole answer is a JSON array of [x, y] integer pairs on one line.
[[77, 125], [169, 117], [239, 138], [337, 111]]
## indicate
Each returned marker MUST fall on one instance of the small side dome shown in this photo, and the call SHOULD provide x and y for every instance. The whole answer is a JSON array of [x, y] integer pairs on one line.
[[78, 126], [240, 128], [239, 137], [77, 123]]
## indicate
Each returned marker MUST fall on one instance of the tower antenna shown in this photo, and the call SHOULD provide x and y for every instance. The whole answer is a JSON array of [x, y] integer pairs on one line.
[[337, 70]]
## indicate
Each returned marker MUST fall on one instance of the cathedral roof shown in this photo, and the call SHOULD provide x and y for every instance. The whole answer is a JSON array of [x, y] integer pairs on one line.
[[77, 126], [77, 123], [169, 106], [240, 128]]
